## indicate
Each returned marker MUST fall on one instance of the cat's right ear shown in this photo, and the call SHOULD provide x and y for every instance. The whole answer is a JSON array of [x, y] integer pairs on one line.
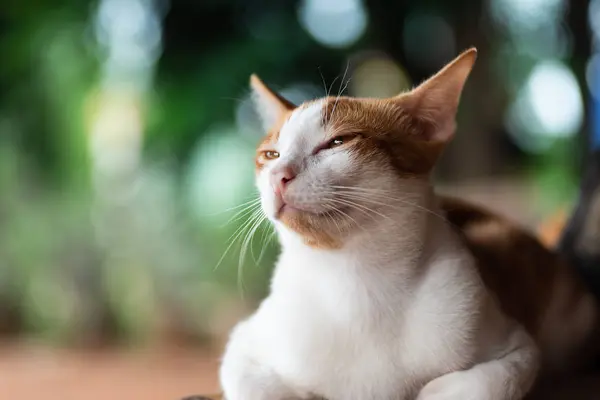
[[271, 107]]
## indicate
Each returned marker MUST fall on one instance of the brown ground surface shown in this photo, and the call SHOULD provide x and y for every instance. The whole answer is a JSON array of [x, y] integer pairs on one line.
[[31, 372]]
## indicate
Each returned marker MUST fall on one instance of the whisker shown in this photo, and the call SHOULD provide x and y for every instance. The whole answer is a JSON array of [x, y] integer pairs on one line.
[[331, 218], [367, 194], [257, 220], [359, 207], [350, 202], [361, 189], [323, 80], [340, 91], [326, 122], [365, 197], [244, 204], [326, 93], [264, 239], [379, 192], [259, 226], [242, 213], [265, 246], [381, 195], [232, 239], [336, 210], [249, 202], [331, 86], [245, 224]]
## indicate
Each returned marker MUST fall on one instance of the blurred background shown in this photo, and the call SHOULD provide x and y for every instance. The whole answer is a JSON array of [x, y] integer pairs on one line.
[[126, 157]]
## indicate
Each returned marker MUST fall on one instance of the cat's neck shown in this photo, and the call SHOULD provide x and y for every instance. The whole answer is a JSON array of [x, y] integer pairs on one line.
[[383, 266]]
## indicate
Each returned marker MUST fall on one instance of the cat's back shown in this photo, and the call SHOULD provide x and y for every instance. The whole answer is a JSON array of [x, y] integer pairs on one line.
[[533, 284]]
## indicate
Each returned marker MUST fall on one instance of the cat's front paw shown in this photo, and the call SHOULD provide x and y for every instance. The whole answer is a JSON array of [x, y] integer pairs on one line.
[[461, 385]]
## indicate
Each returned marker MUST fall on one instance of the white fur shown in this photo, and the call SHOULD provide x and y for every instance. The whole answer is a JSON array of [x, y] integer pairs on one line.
[[399, 312]]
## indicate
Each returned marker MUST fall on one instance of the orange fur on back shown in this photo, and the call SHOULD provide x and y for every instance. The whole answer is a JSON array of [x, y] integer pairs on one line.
[[533, 284]]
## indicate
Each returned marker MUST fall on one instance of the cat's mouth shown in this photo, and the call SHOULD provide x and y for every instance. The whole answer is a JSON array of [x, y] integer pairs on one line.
[[318, 222], [285, 208], [290, 210]]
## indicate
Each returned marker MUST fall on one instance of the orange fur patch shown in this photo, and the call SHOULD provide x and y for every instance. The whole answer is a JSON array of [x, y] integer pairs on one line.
[[534, 285], [388, 129], [311, 228]]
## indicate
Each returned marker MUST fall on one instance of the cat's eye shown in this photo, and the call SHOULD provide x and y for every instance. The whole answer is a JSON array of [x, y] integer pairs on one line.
[[270, 154], [336, 142], [340, 140]]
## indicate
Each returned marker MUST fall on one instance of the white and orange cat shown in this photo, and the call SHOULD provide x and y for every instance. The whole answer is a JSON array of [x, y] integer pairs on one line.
[[375, 294]]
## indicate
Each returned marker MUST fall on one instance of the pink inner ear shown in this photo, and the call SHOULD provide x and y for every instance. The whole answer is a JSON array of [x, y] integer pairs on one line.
[[436, 119], [436, 100], [441, 133]]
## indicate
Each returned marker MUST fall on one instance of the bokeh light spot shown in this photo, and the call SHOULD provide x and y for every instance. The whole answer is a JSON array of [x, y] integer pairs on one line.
[[594, 17], [334, 23], [526, 15], [216, 179], [548, 107], [378, 76]]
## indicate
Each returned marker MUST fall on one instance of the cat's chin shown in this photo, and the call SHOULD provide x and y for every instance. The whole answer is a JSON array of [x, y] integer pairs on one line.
[[316, 229], [287, 210]]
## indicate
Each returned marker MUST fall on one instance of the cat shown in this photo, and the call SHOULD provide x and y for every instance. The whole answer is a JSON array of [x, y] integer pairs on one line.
[[383, 289]]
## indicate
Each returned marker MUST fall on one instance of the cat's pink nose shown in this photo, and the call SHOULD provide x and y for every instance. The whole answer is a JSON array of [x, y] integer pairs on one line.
[[280, 179]]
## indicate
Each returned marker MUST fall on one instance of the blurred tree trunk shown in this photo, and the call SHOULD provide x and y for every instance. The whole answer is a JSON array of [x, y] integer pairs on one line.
[[476, 150], [386, 27], [578, 23], [480, 111], [580, 242]]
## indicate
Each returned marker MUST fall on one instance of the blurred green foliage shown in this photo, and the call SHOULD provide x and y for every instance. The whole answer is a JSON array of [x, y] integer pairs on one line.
[[87, 258]]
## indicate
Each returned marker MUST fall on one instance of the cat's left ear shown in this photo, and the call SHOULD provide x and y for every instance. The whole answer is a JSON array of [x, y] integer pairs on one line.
[[270, 106], [435, 101]]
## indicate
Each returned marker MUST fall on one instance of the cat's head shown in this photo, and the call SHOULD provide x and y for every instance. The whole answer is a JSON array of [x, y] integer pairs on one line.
[[330, 166]]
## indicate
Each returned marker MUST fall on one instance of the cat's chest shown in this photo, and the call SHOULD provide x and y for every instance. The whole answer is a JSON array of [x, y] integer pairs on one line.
[[340, 337]]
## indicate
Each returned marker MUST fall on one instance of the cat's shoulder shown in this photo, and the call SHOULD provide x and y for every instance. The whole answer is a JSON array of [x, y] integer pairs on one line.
[[514, 264]]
